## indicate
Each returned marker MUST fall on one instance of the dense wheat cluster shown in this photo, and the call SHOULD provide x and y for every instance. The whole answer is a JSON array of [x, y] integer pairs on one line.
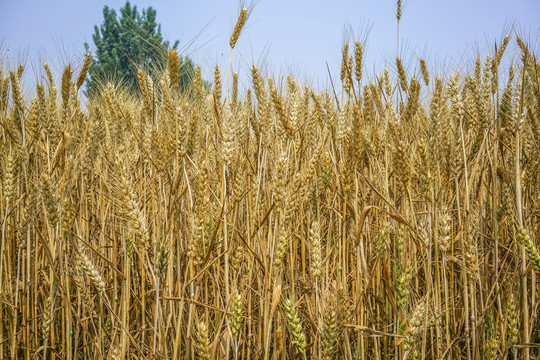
[[388, 218]]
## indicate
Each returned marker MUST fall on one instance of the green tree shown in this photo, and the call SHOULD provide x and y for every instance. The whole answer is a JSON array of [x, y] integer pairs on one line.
[[125, 44]]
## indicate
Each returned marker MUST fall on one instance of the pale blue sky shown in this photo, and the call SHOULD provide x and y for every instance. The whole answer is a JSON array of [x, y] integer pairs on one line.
[[282, 37]]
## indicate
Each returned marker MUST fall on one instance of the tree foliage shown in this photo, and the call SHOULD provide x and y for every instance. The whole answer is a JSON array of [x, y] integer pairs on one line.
[[129, 42]]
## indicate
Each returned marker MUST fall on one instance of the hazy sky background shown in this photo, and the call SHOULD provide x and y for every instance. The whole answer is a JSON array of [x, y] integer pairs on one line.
[[281, 37]]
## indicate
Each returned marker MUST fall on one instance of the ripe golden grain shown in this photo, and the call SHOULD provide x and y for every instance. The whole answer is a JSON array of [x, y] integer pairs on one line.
[[368, 216]]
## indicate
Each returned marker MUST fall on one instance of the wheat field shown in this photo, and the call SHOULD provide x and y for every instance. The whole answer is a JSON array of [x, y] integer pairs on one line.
[[391, 217]]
